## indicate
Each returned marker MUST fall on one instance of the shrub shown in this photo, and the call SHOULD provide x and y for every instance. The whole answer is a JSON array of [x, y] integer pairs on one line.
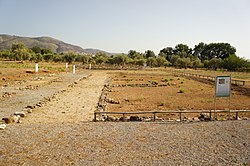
[[161, 104], [182, 91], [153, 82]]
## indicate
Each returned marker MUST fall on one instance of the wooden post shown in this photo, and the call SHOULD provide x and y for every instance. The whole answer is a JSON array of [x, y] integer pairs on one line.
[[180, 117], [229, 115], [123, 115], [210, 115], [237, 116], [154, 116], [94, 116]]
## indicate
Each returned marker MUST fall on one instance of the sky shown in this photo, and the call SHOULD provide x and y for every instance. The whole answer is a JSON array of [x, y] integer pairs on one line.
[[121, 25]]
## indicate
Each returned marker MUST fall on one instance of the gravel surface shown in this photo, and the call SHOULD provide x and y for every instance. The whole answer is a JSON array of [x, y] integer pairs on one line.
[[90, 143], [60, 133]]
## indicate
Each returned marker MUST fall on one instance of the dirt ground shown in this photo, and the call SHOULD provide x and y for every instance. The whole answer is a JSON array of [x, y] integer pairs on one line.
[[59, 131], [178, 93]]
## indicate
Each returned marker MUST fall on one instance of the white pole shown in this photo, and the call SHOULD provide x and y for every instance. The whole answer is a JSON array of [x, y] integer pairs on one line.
[[36, 68], [67, 67], [89, 66], [74, 69]]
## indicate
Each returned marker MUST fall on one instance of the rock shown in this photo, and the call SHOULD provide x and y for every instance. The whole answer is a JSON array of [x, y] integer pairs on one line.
[[204, 117], [244, 118], [134, 118], [2, 126], [21, 114], [29, 111], [30, 106], [12, 119], [38, 105], [195, 119], [110, 118]]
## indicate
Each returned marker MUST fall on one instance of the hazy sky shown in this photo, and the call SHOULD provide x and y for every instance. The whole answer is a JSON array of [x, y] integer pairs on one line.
[[122, 25]]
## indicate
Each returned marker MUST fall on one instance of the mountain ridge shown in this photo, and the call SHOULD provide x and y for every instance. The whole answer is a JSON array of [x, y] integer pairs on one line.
[[55, 45]]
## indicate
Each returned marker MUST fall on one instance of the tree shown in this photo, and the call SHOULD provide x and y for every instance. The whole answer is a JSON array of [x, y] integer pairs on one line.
[[48, 57], [215, 63], [217, 50], [36, 49], [69, 57], [199, 50], [167, 53], [20, 52], [196, 63], [160, 61], [121, 59], [101, 58], [183, 62], [151, 61], [182, 50], [234, 63], [149, 54], [174, 59]]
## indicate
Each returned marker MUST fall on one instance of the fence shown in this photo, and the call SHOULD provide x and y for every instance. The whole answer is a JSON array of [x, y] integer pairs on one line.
[[154, 113], [211, 78]]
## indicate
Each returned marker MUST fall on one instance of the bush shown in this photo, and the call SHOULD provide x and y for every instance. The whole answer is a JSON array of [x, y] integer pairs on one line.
[[182, 91], [153, 82]]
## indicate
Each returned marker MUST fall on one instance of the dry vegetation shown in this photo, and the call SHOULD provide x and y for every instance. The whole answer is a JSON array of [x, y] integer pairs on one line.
[[160, 90]]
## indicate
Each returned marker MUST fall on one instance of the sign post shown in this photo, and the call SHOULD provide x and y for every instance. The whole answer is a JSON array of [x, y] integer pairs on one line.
[[222, 89]]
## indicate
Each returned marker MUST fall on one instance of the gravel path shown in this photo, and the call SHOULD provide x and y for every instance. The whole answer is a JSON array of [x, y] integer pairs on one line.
[[59, 133], [45, 88], [89, 143]]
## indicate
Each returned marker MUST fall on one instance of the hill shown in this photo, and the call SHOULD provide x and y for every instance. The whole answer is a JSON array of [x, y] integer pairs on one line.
[[43, 42]]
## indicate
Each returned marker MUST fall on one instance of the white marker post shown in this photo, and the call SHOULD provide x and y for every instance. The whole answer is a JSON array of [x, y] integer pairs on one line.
[[89, 66], [67, 66], [74, 69], [36, 68]]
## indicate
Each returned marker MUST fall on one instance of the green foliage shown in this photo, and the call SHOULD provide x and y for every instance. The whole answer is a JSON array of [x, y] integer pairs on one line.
[[161, 104], [215, 63], [167, 79], [182, 91], [183, 62], [153, 82], [161, 61], [149, 54], [233, 63], [151, 61], [69, 57]]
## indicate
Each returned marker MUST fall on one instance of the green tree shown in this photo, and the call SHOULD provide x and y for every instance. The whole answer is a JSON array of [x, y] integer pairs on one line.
[[182, 50], [196, 63], [234, 63], [215, 63], [183, 62], [151, 61], [69, 57], [121, 59], [199, 50], [217, 50], [48, 57], [149, 54], [20, 52], [160, 61]]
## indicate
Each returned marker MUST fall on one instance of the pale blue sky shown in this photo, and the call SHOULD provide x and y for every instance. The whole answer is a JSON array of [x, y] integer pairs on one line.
[[122, 25]]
